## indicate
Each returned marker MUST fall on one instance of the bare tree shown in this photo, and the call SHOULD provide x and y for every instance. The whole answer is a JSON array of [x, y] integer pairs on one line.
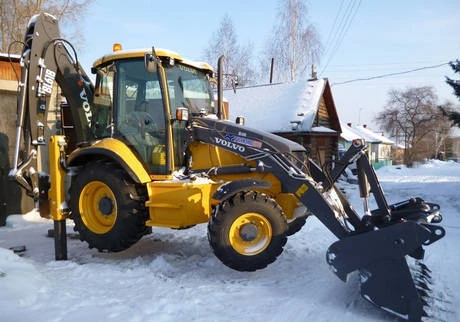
[[412, 116], [295, 44], [15, 14], [238, 60]]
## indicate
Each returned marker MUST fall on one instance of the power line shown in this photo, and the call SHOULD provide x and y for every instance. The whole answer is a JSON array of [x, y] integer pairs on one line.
[[338, 28], [391, 74], [331, 32], [345, 24]]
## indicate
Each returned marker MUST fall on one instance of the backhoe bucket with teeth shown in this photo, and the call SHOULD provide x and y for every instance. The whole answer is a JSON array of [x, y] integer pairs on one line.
[[379, 244], [380, 257]]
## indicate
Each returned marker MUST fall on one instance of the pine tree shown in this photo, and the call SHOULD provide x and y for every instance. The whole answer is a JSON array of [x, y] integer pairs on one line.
[[451, 114], [454, 116], [455, 84]]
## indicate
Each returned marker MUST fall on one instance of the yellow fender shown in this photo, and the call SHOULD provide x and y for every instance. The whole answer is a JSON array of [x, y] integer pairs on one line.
[[115, 150]]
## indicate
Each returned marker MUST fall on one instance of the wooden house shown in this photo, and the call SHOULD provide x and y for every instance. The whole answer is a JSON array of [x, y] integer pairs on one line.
[[379, 147], [302, 111], [453, 145], [380, 152], [12, 198]]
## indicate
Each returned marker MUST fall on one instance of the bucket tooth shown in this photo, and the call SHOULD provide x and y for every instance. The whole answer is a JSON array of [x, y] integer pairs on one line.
[[424, 302], [422, 276], [422, 293], [424, 267], [425, 316], [422, 285], [423, 279], [425, 273]]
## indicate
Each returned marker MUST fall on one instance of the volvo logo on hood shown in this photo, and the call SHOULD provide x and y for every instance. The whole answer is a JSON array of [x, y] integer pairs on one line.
[[230, 145]]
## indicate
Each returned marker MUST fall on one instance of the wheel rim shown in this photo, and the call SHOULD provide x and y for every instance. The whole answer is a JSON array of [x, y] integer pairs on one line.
[[250, 234], [98, 207]]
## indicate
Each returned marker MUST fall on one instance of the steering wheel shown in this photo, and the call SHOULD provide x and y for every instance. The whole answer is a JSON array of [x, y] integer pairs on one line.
[[143, 120]]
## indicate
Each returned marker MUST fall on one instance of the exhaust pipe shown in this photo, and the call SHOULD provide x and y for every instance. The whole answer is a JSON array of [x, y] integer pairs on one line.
[[220, 89]]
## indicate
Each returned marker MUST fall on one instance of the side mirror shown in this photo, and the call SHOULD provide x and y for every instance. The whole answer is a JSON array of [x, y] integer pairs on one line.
[[182, 114], [150, 62]]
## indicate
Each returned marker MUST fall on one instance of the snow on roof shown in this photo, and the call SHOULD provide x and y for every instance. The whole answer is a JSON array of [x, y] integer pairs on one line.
[[350, 133], [12, 56], [281, 107], [374, 136], [322, 129]]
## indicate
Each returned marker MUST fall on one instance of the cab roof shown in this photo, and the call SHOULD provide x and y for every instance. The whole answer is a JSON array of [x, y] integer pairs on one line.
[[139, 53]]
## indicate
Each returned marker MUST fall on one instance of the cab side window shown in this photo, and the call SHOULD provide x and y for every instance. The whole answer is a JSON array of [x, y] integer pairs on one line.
[[103, 102]]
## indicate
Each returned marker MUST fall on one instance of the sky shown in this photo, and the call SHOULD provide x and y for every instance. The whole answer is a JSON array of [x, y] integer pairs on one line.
[[361, 39]]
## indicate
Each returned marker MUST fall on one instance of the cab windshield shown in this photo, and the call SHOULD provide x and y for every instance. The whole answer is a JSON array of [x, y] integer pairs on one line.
[[190, 88]]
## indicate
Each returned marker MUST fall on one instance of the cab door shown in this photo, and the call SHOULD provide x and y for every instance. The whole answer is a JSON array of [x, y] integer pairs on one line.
[[140, 118]]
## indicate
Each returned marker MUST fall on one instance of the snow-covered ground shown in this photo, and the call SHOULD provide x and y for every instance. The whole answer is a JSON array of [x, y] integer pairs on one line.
[[173, 275]]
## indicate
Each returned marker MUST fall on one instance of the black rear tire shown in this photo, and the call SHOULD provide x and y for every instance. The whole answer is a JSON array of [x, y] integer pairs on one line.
[[248, 231], [296, 225], [106, 208]]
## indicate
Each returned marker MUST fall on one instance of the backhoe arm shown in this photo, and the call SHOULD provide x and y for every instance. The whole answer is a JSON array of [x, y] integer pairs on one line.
[[45, 59]]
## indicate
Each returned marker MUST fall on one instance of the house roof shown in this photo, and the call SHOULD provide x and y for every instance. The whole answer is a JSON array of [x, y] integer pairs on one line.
[[376, 137], [281, 107], [6, 57], [350, 133]]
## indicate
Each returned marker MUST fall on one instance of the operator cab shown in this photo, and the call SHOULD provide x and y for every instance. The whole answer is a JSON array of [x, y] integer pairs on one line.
[[137, 104]]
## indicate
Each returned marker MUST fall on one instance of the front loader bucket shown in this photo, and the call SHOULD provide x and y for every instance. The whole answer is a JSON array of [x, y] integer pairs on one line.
[[380, 257]]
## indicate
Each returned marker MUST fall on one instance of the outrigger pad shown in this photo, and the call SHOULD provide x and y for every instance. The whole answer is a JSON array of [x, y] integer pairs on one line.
[[379, 255]]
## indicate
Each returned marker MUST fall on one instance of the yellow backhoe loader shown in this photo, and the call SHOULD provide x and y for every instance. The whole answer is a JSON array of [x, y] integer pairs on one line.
[[148, 145]]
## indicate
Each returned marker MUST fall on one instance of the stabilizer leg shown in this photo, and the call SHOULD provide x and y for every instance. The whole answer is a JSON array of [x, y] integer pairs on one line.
[[60, 240], [56, 194]]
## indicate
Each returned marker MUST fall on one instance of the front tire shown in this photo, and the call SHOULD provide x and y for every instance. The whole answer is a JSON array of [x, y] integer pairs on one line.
[[248, 231], [105, 210]]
